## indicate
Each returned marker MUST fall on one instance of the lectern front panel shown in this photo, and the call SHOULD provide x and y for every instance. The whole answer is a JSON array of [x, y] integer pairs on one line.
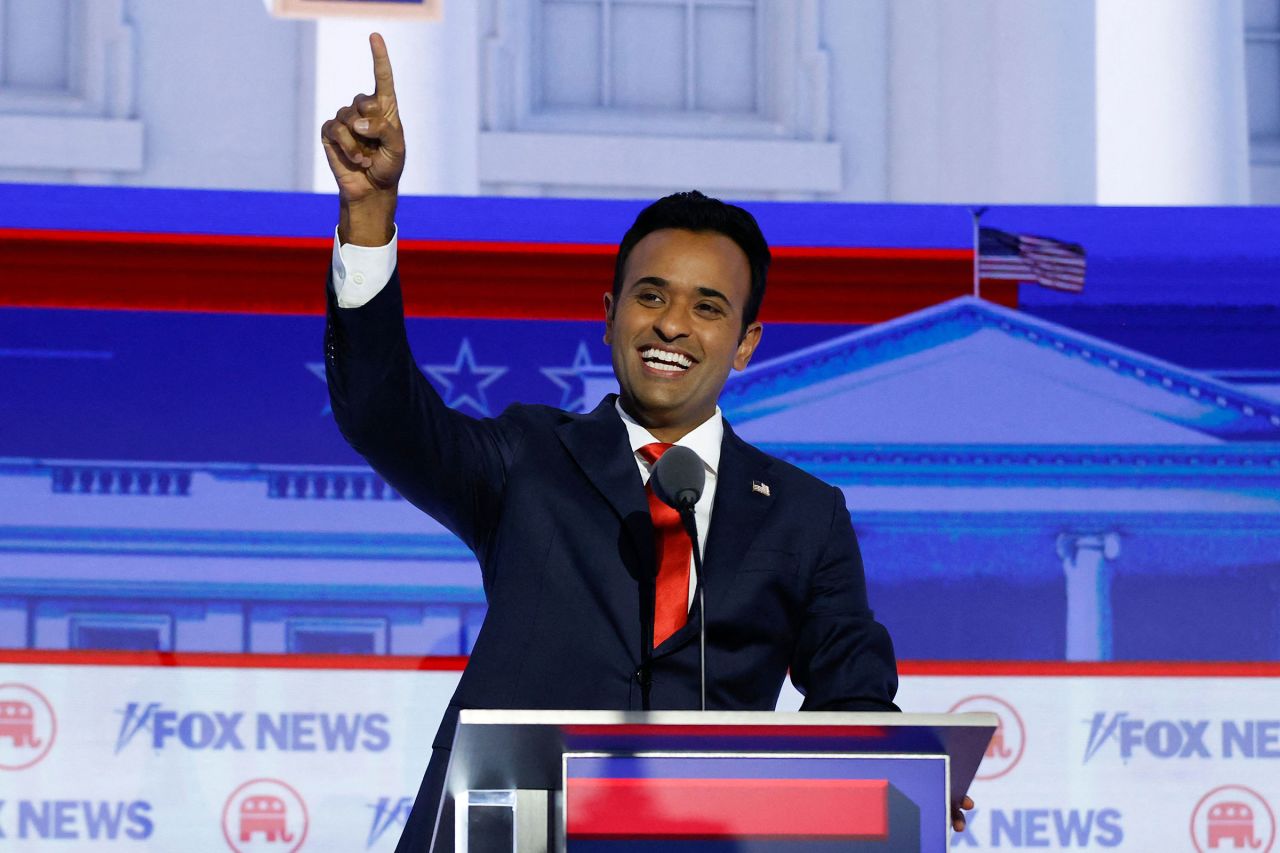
[[798, 803]]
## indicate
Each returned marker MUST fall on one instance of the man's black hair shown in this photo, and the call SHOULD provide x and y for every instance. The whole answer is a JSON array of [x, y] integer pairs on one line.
[[693, 211]]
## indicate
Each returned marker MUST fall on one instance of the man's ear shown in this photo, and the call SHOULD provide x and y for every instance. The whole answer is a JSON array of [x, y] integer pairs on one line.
[[747, 346], [608, 318]]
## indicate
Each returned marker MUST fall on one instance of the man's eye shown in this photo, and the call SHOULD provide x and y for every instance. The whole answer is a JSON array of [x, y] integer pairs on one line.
[[649, 297], [710, 308]]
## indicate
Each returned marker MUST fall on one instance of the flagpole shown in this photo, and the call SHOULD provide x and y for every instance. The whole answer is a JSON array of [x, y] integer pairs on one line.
[[977, 212]]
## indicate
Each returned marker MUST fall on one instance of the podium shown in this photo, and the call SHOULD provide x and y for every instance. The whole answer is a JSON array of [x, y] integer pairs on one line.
[[742, 781]]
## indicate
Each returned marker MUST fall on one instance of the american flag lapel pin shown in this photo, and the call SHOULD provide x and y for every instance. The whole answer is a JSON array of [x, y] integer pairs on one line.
[[760, 488]]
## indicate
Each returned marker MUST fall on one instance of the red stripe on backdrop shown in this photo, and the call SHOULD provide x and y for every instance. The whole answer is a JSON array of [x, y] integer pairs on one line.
[[1122, 669], [1118, 669], [50, 657], [491, 280]]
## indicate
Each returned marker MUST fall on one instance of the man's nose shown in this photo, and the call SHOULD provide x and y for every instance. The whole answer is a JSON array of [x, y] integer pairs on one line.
[[672, 323]]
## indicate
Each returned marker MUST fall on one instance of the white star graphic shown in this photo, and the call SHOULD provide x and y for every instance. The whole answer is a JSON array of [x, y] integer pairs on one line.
[[463, 385], [572, 380], [316, 368]]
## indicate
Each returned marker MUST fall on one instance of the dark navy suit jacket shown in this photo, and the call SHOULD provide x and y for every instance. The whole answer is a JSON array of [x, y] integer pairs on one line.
[[552, 504]]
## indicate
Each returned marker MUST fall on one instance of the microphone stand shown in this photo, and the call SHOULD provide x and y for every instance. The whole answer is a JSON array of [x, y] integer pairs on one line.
[[645, 673], [691, 527]]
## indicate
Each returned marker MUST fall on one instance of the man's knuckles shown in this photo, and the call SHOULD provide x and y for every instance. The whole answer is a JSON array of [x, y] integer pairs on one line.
[[342, 137]]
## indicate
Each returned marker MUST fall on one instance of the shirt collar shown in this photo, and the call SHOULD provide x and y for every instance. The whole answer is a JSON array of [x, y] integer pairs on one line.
[[704, 440]]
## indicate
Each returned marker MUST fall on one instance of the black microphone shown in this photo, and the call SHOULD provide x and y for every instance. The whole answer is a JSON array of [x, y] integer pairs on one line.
[[678, 478]]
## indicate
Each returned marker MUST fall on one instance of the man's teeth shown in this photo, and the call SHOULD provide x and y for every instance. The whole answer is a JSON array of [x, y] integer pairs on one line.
[[672, 362]]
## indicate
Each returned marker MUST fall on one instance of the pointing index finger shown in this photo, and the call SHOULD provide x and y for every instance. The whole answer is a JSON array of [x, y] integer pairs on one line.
[[384, 83]]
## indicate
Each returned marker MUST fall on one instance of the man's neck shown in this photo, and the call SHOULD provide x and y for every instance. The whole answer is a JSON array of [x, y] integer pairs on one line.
[[666, 432]]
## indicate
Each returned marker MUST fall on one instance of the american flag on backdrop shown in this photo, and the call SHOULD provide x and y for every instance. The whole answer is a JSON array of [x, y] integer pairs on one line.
[[1024, 257]]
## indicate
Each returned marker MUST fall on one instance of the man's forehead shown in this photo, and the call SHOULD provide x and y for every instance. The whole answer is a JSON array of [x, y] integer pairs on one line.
[[671, 252]]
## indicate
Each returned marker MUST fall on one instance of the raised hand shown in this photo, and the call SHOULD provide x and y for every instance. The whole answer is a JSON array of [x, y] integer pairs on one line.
[[364, 143]]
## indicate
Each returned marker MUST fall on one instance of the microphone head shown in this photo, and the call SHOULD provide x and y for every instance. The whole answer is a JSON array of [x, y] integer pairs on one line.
[[678, 478]]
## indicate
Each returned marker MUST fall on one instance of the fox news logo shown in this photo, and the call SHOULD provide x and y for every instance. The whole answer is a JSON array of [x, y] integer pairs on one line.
[[27, 726], [264, 815], [1181, 739], [1062, 828], [1005, 749], [239, 732], [75, 820], [388, 813], [1233, 817]]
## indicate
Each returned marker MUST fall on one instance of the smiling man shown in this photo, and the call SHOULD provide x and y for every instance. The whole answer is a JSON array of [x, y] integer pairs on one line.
[[683, 309], [589, 587]]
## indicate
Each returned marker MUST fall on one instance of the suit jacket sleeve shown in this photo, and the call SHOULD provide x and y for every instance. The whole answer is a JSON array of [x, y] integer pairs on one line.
[[843, 659], [451, 466]]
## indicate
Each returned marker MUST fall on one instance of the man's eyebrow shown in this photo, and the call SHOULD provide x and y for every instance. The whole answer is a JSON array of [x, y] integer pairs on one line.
[[657, 281], [712, 293]]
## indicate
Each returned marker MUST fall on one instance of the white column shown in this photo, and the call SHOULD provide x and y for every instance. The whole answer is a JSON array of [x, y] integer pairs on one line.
[[1085, 560], [991, 101], [1172, 121], [436, 65]]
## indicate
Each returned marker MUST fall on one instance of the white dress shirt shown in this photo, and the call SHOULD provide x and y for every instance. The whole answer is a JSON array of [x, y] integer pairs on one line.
[[360, 272], [704, 440]]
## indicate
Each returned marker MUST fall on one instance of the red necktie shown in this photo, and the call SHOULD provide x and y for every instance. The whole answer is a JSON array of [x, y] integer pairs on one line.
[[671, 542]]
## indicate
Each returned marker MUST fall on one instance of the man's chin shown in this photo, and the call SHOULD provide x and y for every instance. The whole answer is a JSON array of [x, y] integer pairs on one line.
[[662, 414], [651, 411]]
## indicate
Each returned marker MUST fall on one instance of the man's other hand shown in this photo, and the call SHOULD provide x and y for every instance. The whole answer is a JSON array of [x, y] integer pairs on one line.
[[364, 143], [957, 816]]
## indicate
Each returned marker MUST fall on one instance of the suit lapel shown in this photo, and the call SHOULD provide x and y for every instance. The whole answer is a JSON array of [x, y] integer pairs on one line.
[[737, 514], [598, 443]]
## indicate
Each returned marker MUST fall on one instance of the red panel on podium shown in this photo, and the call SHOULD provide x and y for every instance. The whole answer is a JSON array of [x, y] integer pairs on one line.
[[727, 808]]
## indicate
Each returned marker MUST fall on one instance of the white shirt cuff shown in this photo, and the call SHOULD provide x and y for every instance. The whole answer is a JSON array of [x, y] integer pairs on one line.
[[360, 272]]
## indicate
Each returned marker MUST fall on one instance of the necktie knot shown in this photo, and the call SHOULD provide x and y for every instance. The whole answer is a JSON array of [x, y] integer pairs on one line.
[[651, 453]]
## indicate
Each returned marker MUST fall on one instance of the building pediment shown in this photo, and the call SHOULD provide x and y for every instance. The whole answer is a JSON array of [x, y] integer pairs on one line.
[[971, 372]]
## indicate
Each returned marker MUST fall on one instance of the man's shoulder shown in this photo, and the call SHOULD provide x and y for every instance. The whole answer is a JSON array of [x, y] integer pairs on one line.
[[540, 417], [535, 413]]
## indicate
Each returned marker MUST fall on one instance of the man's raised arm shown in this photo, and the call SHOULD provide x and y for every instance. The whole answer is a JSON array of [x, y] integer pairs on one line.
[[447, 464]]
